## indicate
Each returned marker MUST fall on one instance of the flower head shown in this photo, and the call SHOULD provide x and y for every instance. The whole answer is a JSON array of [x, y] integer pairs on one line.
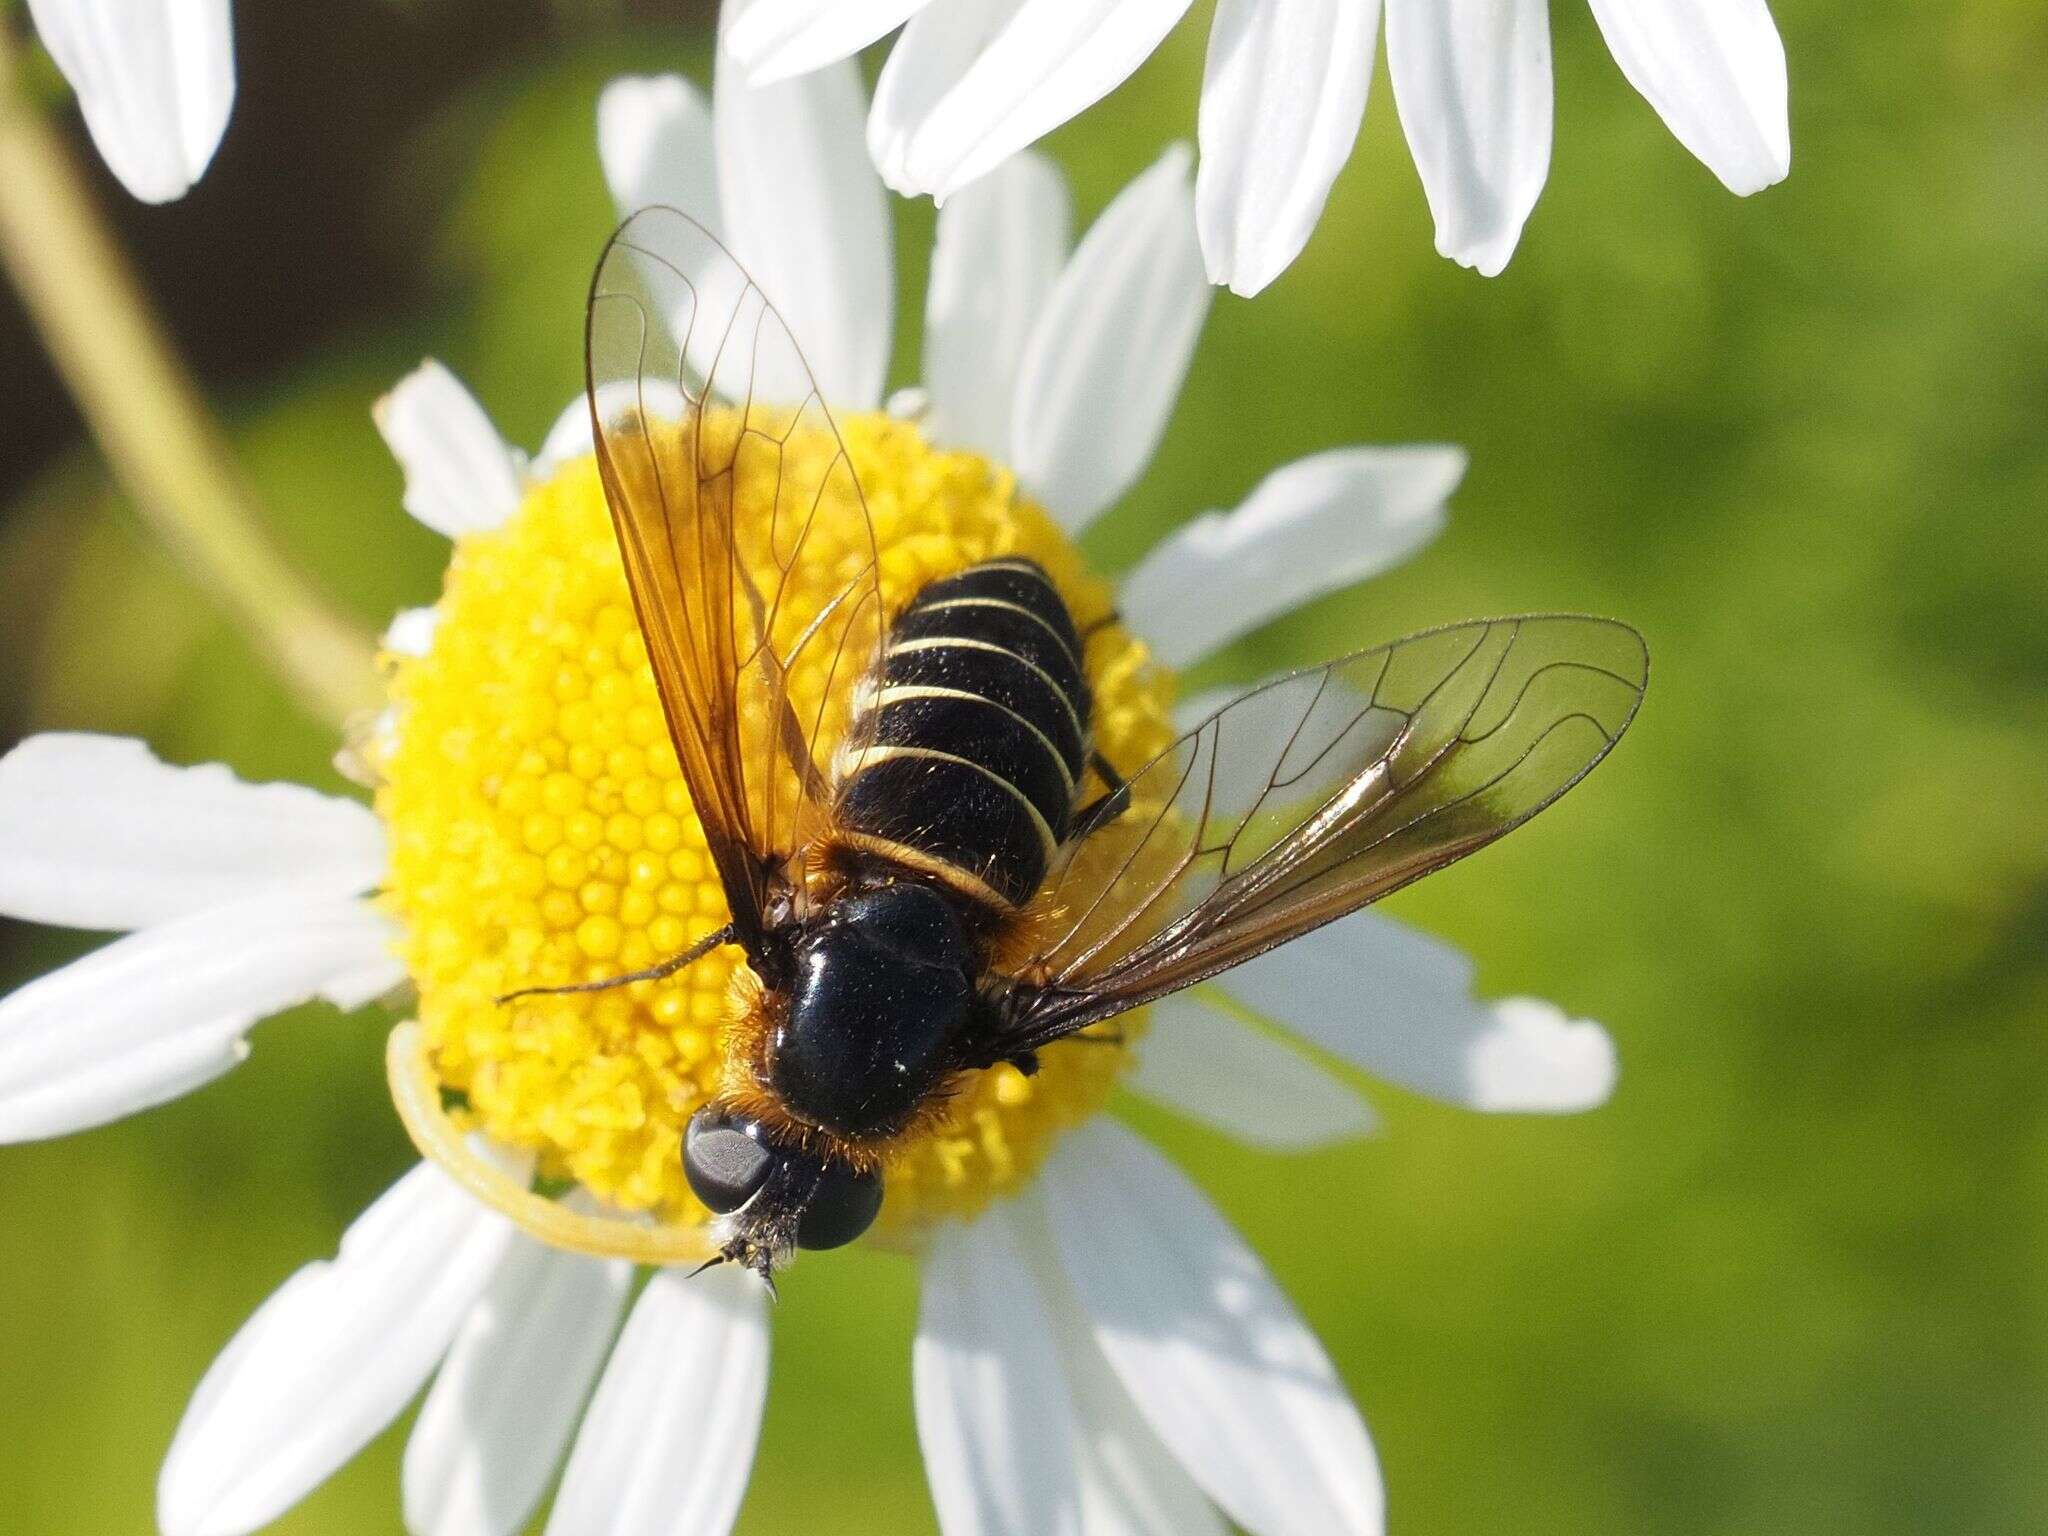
[[1096, 1348], [970, 82], [542, 835]]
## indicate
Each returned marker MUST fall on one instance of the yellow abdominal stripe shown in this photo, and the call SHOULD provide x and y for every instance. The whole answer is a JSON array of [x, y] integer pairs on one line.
[[541, 834]]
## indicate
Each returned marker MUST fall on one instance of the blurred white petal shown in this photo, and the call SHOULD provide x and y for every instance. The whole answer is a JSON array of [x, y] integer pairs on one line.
[[654, 141], [330, 1359], [998, 253], [505, 1402], [459, 475], [668, 1443], [1399, 1004], [97, 833], [1282, 97], [155, 80], [1106, 360], [806, 216], [411, 631], [1215, 1357], [1715, 72], [152, 1016], [1049, 60], [776, 39], [1197, 1059], [1536, 1058], [913, 402], [993, 1416], [569, 438], [1472, 83], [1308, 528]]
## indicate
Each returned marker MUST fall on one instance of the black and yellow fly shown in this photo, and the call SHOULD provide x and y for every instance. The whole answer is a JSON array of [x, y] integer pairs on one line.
[[923, 903]]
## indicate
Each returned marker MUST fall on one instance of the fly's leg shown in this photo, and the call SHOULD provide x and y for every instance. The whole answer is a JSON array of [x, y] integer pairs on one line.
[[660, 972], [1027, 1061], [1099, 813]]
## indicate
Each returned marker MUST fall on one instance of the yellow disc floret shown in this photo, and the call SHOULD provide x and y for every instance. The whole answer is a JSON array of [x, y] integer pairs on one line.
[[542, 834]]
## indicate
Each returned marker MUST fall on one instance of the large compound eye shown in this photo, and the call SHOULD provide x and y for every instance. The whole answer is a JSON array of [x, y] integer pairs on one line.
[[725, 1159], [843, 1207]]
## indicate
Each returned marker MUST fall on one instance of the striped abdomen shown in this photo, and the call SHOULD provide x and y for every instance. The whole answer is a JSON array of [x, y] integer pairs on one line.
[[975, 734]]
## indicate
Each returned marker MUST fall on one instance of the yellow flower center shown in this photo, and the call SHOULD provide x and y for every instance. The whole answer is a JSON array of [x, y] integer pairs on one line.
[[541, 834]]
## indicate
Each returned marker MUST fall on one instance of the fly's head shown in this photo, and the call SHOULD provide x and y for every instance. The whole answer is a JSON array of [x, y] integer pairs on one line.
[[772, 1198]]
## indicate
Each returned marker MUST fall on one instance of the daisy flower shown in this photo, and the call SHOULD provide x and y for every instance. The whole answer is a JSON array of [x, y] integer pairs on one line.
[[1097, 1349], [970, 82], [154, 81]]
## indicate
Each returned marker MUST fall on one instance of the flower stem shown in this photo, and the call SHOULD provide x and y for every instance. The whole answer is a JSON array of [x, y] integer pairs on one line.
[[147, 416]]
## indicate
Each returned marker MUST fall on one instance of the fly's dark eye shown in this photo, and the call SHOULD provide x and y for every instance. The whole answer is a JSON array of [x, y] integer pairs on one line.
[[843, 1207], [725, 1160]]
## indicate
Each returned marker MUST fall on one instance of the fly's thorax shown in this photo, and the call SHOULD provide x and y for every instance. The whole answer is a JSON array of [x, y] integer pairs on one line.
[[880, 996]]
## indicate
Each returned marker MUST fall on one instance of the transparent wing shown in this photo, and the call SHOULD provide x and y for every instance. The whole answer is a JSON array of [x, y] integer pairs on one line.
[[1318, 793], [746, 543]]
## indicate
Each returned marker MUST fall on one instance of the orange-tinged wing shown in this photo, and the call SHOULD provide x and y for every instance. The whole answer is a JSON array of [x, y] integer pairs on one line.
[[746, 543]]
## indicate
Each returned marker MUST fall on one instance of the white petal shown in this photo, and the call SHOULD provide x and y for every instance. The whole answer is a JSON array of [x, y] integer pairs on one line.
[[1399, 1004], [806, 215], [1282, 97], [1197, 1059], [501, 1410], [776, 39], [1472, 82], [1046, 62], [654, 139], [1213, 1354], [1105, 363], [998, 254], [97, 833], [155, 81], [1715, 72], [925, 63], [411, 631], [329, 1359], [1129, 1484], [1308, 528], [459, 475], [993, 1416], [152, 1016], [669, 1440]]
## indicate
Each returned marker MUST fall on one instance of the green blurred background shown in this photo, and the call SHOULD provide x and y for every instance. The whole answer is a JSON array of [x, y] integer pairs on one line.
[[1794, 1278]]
